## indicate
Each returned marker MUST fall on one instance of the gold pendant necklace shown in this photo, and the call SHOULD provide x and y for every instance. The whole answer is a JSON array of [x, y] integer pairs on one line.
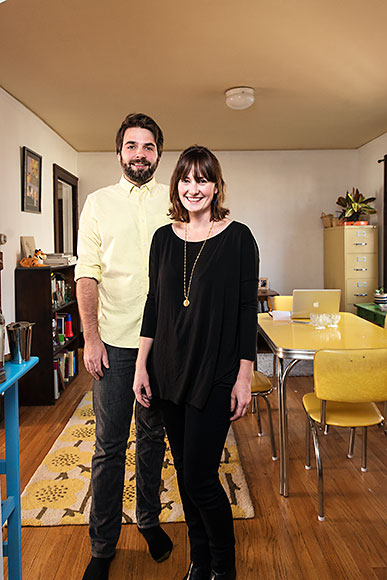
[[186, 302]]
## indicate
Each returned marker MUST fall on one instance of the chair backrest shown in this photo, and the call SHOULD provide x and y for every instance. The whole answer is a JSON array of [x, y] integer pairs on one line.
[[282, 303], [354, 376]]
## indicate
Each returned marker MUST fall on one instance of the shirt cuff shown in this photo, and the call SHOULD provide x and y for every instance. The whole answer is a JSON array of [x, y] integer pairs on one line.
[[83, 271]]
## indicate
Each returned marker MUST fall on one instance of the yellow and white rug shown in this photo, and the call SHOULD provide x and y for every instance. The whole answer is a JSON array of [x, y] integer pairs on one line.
[[59, 493]]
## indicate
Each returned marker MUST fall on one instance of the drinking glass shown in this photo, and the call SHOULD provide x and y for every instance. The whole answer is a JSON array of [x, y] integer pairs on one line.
[[318, 320], [334, 320]]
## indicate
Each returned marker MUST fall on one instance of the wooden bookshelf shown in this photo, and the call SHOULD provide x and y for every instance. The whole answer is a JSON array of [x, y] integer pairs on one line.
[[34, 302]]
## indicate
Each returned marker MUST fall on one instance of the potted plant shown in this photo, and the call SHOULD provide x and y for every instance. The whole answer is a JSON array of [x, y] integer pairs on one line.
[[354, 206], [380, 296]]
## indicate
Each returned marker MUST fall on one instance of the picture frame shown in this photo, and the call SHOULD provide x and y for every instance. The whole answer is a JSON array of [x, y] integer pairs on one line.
[[31, 181], [263, 283], [28, 245]]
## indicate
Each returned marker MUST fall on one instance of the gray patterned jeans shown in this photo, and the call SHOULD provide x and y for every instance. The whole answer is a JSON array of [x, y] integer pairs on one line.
[[113, 399]]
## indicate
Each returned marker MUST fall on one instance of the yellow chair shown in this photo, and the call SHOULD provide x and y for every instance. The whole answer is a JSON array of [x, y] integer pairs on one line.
[[279, 303], [261, 387], [353, 429], [347, 383]]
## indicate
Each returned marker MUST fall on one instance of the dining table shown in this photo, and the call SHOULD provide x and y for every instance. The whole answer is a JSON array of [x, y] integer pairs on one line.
[[294, 340]]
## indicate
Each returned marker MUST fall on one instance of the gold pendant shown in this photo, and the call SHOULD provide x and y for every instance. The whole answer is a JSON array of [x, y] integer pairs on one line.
[[186, 302]]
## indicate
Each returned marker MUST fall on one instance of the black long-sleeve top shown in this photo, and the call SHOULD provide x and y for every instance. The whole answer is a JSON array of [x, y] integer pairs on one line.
[[199, 346]]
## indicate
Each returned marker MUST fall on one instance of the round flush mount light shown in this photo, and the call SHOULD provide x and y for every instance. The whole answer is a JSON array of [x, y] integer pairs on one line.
[[239, 97]]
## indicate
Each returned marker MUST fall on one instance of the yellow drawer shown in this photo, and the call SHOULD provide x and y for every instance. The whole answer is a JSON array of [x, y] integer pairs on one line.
[[358, 239], [361, 265], [360, 289]]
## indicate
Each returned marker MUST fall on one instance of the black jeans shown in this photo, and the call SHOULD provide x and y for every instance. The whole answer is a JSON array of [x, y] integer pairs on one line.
[[113, 399], [197, 439]]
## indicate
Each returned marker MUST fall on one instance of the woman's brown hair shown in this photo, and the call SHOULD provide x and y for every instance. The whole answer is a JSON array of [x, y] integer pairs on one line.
[[204, 164]]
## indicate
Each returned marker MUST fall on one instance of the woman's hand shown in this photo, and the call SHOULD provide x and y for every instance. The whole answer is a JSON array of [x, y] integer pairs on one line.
[[141, 387], [241, 392]]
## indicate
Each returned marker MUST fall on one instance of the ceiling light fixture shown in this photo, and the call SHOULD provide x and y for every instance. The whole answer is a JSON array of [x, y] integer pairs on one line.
[[239, 97]]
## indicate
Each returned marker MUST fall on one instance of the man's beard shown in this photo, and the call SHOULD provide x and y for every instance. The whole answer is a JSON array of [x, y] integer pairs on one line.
[[139, 176]]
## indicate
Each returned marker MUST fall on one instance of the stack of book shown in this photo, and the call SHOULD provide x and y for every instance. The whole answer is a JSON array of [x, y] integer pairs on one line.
[[60, 260], [64, 370]]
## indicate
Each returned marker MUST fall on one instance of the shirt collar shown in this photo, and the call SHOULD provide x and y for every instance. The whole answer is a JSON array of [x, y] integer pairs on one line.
[[130, 188]]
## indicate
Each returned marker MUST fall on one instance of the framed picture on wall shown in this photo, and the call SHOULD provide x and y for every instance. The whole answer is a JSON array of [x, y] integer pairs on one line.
[[31, 181], [263, 283]]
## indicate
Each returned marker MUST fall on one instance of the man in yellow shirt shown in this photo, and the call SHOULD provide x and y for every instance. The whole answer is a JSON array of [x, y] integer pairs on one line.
[[116, 227]]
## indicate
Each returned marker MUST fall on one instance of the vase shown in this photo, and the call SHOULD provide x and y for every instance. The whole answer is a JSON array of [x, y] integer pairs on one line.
[[380, 298]]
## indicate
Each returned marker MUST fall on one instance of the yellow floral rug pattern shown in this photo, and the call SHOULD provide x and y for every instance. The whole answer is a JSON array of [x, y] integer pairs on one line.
[[59, 493]]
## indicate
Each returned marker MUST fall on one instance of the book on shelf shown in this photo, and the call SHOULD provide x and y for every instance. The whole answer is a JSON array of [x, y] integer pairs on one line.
[[61, 291], [64, 369], [60, 259], [60, 322], [56, 380]]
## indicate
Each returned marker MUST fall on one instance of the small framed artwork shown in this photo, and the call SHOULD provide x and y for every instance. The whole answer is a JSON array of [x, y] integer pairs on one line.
[[31, 181], [28, 246], [263, 283]]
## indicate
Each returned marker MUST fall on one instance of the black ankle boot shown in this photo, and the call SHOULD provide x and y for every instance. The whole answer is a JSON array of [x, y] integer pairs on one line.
[[97, 569], [159, 543], [198, 572], [230, 575]]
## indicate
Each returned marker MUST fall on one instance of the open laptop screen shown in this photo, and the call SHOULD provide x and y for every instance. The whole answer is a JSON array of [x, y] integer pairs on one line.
[[320, 301]]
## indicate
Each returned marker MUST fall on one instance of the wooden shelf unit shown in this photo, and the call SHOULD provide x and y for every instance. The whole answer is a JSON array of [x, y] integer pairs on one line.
[[34, 303]]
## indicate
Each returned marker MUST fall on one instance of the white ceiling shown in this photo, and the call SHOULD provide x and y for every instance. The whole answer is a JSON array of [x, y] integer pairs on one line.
[[319, 68]]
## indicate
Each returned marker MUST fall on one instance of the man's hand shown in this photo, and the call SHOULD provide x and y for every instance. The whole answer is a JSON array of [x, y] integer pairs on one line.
[[95, 358]]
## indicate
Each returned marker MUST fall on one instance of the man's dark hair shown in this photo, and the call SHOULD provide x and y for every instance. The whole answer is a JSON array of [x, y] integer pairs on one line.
[[144, 122]]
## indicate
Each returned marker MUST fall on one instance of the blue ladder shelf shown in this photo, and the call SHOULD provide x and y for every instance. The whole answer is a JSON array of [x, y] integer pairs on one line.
[[10, 507]]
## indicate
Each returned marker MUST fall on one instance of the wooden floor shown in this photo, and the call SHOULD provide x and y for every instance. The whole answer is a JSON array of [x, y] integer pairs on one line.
[[284, 540]]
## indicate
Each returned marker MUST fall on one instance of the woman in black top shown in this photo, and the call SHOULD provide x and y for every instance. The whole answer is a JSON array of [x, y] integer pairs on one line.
[[197, 347]]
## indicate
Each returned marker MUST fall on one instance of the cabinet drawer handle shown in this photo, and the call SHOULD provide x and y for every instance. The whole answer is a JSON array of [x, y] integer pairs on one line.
[[360, 244], [360, 269], [364, 294]]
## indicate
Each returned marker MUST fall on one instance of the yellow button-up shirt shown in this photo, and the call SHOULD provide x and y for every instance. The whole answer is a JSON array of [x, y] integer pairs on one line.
[[115, 230]]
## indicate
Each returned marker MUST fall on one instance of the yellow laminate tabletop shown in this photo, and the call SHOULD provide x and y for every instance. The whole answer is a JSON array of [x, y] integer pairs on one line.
[[294, 340]]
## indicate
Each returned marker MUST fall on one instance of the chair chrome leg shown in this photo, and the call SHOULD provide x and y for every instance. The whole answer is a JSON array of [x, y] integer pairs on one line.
[[259, 422], [364, 450], [274, 366], [352, 434], [253, 403], [307, 444], [274, 455], [321, 515]]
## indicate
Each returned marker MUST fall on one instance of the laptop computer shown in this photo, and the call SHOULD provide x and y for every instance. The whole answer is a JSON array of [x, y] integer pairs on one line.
[[307, 301]]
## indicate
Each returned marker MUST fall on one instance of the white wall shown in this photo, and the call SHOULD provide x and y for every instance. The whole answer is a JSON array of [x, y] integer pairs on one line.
[[19, 127], [279, 194]]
